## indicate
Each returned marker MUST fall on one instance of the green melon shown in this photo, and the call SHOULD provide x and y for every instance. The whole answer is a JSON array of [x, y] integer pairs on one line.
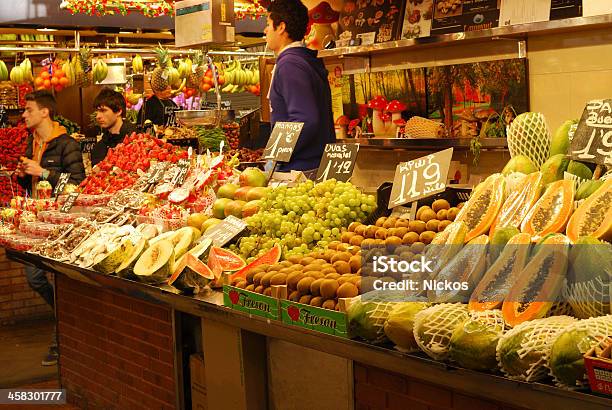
[[107, 264], [473, 344], [155, 264], [126, 269]]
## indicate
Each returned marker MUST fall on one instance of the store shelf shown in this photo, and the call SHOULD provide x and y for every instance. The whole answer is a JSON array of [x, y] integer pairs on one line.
[[426, 144], [518, 31]]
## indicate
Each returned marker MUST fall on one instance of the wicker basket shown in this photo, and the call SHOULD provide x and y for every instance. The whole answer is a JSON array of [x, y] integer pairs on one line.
[[419, 127]]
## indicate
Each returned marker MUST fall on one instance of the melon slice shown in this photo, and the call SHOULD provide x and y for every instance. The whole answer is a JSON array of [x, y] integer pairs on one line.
[[166, 236], [181, 241], [271, 257], [482, 208], [466, 267], [539, 284], [191, 275], [126, 269], [497, 281], [221, 260], [515, 208], [552, 211], [155, 263], [107, 264], [594, 216]]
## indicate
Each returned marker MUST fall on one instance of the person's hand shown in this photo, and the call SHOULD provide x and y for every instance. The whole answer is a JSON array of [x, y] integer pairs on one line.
[[31, 167], [20, 171]]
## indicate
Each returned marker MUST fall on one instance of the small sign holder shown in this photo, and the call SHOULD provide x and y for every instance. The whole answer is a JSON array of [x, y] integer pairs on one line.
[[338, 162]]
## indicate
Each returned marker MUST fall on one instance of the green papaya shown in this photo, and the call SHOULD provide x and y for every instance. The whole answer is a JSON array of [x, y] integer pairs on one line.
[[587, 188], [519, 163], [499, 240], [580, 170], [553, 168], [560, 141]]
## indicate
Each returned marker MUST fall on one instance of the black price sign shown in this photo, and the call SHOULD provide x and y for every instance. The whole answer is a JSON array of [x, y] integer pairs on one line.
[[66, 206], [592, 141], [420, 178], [61, 183], [223, 232], [179, 178], [87, 144], [282, 141], [338, 162]]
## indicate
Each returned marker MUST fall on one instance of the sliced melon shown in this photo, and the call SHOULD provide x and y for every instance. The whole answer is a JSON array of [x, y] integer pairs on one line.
[[482, 208], [497, 281], [515, 208], [107, 264], [594, 216], [192, 275], [126, 269], [166, 236], [221, 260], [270, 258], [539, 284], [197, 234], [552, 211], [155, 263], [464, 270], [182, 240], [199, 251]]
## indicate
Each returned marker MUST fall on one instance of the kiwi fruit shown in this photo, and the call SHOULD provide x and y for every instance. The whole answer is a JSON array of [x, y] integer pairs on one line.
[[249, 276], [341, 256], [427, 236], [328, 288], [390, 222], [342, 267], [315, 286], [303, 285], [370, 231], [427, 215], [312, 267], [305, 299], [287, 270], [343, 247], [328, 254], [329, 304], [402, 223], [241, 284], [407, 256], [265, 280], [392, 232], [294, 258], [345, 278], [327, 270], [355, 263], [393, 242], [443, 224], [267, 292], [250, 288], [353, 226], [278, 279], [441, 215], [417, 226], [275, 267], [316, 301], [293, 279], [354, 250], [356, 240], [421, 210], [439, 204], [381, 233], [368, 243], [432, 225], [380, 221], [333, 245], [315, 274], [259, 289], [347, 290], [257, 278], [361, 229], [332, 276], [410, 238], [417, 247], [262, 268], [452, 214], [345, 237], [307, 260], [401, 231], [294, 296]]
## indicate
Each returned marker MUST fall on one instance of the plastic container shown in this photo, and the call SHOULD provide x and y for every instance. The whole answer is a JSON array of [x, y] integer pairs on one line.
[[22, 243], [37, 229], [57, 217]]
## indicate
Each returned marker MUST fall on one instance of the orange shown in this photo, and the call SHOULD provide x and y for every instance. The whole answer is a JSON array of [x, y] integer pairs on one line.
[[45, 74]]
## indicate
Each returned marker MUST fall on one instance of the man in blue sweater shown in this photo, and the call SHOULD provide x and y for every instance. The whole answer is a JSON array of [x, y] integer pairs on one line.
[[299, 90]]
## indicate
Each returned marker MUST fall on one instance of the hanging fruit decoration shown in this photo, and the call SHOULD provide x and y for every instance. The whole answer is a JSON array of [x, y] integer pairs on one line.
[[119, 7], [54, 76]]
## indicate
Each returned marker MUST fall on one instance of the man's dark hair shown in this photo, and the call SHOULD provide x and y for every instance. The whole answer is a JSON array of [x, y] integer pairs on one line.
[[111, 99], [44, 99], [293, 13]]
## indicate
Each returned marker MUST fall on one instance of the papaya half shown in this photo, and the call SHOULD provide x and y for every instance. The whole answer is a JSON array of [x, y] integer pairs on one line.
[[482, 208], [552, 211], [515, 208], [594, 216]]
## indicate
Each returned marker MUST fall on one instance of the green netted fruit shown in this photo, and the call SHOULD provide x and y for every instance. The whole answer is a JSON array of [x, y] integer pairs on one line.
[[434, 326], [529, 135], [367, 319], [400, 323], [474, 342]]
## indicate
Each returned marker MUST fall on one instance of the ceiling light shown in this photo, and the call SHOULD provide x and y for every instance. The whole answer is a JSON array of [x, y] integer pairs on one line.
[[46, 29]]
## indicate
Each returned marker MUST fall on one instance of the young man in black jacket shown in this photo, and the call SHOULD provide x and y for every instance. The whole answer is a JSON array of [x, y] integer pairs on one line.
[[110, 109], [50, 152]]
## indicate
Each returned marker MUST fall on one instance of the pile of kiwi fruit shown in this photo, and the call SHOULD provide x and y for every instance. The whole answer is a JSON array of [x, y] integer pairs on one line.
[[317, 279]]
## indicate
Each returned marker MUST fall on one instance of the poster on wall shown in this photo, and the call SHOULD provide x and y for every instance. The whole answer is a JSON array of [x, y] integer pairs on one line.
[[468, 98], [451, 16], [417, 19], [371, 21], [565, 9]]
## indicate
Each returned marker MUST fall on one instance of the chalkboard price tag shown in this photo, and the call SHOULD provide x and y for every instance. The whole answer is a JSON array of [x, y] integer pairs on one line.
[[592, 141], [338, 162], [87, 144], [420, 178], [282, 141], [223, 232], [179, 178], [70, 200], [61, 183]]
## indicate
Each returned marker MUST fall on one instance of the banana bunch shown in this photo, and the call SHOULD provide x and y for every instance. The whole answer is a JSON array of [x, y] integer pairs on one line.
[[68, 70], [100, 71], [235, 74], [137, 65], [185, 67], [174, 75], [133, 98], [4, 74], [26, 68]]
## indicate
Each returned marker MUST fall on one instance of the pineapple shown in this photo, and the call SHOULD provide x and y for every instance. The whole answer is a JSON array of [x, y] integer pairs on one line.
[[82, 67], [159, 77], [194, 78]]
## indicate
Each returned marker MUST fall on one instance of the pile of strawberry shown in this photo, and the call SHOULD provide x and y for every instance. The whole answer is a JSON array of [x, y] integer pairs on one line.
[[13, 142], [119, 169]]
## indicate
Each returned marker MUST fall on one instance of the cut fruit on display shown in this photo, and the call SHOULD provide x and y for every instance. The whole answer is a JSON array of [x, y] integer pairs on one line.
[[483, 206], [191, 275], [108, 263], [594, 216], [182, 240], [269, 258], [434, 327], [155, 264], [199, 251], [529, 135], [539, 284], [221, 260], [126, 269], [517, 206], [444, 247], [467, 266], [497, 281], [552, 211]]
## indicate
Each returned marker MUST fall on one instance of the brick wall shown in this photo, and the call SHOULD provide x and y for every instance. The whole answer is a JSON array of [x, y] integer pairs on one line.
[[377, 389], [116, 352], [18, 302]]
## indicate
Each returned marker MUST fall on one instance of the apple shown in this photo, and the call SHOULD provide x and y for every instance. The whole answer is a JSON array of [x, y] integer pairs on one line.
[[257, 193], [234, 208], [227, 191], [253, 177], [219, 207], [251, 208], [196, 220], [242, 193]]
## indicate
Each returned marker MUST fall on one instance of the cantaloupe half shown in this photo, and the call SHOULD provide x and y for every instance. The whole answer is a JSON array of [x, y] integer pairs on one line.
[[594, 216], [552, 211], [155, 264], [539, 284]]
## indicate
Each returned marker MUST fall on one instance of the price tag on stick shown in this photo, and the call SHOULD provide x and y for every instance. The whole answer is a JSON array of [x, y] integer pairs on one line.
[[420, 178], [282, 141], [70, 200], [223, 232], [61, 183], [592, 141], [338, 162]]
